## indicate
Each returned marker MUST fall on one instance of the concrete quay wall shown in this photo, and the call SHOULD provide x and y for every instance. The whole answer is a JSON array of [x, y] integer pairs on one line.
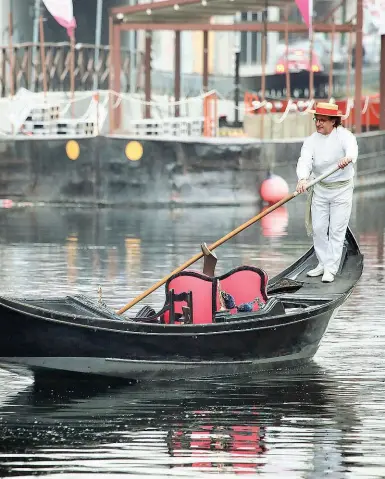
[[112, 170]]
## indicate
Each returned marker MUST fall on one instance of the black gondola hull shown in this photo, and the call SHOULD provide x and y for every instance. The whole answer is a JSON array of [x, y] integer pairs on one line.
[[55, 335], [37, 343]]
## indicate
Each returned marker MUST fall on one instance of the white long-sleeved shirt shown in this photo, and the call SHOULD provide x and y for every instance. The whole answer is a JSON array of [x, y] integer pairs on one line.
[[320, 152]]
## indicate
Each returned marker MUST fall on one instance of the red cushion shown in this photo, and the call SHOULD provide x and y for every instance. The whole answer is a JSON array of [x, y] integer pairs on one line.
[[245, 284], [202, 288]]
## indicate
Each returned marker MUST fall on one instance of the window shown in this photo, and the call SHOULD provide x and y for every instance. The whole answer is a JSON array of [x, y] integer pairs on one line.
[[251, 42]]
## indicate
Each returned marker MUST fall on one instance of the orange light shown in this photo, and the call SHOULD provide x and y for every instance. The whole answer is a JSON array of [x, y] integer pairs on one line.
[[315, 68], [280, 68], [299, 53]]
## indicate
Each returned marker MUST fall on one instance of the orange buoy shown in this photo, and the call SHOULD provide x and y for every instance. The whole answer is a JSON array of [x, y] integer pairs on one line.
[[273, 189]]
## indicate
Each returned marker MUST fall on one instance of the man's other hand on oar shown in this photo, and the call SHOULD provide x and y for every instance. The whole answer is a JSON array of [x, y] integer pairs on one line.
[[344, 162], [301, 186]]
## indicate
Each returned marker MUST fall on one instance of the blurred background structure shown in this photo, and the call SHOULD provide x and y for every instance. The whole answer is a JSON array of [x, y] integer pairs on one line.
[[222, 63]]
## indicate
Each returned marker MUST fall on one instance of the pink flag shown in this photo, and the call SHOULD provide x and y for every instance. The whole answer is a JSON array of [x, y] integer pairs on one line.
[[63, 13], [306, 9]]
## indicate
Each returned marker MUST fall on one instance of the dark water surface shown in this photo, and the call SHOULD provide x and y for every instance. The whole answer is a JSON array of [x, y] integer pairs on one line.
[[323, 421]]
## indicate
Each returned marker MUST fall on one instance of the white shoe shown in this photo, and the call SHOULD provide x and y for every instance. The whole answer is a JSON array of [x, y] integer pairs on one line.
[[317, 271], [327, 277]]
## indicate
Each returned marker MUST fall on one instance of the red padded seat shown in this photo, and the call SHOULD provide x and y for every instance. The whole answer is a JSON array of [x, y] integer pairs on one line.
[[203, 290], [244, 283]]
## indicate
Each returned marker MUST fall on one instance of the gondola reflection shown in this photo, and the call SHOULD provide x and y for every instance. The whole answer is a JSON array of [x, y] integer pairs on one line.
[[229, 425]]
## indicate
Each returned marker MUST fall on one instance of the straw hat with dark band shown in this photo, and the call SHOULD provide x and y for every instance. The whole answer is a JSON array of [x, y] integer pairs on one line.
[[327, 109]]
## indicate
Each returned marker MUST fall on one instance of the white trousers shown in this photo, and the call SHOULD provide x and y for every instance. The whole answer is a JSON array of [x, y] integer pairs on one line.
[[330, 210]]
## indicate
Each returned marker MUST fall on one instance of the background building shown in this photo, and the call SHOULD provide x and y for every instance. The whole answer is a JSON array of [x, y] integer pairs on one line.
[[222, 45]]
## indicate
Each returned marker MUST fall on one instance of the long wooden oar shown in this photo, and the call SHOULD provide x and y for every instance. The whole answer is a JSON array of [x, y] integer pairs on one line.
[[223, 240]]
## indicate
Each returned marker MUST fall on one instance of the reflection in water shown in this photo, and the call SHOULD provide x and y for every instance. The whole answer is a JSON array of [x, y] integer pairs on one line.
[[133, 256], [325, 421], [287, 422], [275, 223], [112, 264], [71, 247]]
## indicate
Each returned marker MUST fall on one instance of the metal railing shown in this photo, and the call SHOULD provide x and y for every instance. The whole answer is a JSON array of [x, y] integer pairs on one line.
[[21, 67]]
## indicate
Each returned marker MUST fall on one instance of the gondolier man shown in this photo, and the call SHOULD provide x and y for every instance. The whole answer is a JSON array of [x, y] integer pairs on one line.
[[329, 201]]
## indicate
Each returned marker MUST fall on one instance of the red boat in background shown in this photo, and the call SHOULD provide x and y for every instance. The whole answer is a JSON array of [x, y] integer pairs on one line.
[[370, 108]]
